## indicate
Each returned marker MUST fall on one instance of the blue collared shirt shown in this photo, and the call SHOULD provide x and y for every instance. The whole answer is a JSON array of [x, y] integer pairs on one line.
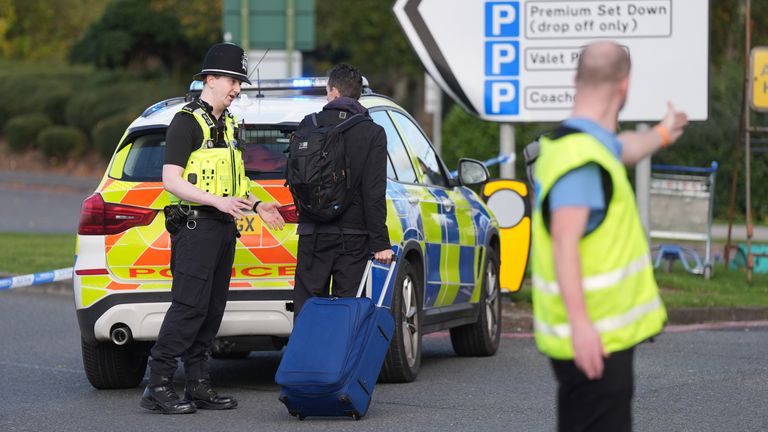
[[583, 186]]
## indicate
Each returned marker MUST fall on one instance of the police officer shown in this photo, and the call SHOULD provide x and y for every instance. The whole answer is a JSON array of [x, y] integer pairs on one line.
[[205, 173]]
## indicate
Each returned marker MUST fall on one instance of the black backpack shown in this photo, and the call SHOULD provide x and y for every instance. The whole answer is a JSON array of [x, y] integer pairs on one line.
[[317, 170]]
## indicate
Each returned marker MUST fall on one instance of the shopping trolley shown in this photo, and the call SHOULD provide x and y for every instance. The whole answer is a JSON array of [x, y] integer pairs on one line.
[[681, 204]]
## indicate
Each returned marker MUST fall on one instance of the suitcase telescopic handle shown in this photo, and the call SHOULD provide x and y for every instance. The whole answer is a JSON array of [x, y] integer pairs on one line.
[[367, 274]]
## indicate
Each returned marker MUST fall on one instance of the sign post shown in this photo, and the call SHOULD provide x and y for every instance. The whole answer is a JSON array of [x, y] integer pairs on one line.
[[285, 28]]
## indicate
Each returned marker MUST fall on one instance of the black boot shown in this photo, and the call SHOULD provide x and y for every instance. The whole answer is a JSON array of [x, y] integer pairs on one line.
[[200, 392], [163, 397]]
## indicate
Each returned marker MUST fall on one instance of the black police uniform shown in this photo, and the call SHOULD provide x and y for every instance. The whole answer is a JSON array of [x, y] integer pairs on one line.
[[203, 243], [201, 264]]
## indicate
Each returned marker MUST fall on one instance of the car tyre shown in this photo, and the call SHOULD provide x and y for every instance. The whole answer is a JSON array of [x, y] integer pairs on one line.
[[404, 356], [482, 337], [109, 366]]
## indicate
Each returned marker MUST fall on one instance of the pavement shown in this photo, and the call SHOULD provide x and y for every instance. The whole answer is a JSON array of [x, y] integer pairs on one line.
[[53, 182]]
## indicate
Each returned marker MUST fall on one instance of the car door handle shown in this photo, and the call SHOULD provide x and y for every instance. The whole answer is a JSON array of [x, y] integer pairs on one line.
[[447, 204], [413, 200]]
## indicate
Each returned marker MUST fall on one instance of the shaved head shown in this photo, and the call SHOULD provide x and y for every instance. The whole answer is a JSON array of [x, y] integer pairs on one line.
[[602, 63]]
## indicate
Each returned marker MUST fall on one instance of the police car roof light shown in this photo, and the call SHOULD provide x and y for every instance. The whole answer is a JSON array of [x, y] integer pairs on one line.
[[280, 84]]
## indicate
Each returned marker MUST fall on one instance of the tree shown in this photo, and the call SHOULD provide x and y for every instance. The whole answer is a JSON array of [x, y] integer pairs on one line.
[[366, 34], [42, 29], [148, 35], [200, 22]]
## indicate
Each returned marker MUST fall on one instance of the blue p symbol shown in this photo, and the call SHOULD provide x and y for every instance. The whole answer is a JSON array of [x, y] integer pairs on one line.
[[501, 58], [501, 19], [501, 97]]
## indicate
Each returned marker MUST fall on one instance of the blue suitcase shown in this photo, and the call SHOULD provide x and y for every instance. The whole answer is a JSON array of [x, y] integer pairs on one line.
[[335, 354]]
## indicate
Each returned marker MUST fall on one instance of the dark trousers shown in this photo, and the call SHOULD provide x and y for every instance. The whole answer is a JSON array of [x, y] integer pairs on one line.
[[600, 405], [201, 263], [325, 257]]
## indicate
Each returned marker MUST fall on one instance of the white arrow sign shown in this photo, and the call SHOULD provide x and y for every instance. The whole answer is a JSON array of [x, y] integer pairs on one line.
[[514, 61]]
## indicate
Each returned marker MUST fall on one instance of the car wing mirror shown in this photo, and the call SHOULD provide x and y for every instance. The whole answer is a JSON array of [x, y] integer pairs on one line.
[[472, 172]]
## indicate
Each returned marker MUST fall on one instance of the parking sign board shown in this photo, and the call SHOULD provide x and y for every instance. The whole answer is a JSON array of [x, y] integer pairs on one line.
[[514, 61]]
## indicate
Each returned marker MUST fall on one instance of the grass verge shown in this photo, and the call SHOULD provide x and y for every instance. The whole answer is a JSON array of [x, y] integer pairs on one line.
[[727, 288], [23, 253]]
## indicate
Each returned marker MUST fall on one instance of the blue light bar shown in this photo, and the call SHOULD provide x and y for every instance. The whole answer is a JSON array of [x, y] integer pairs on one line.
[[302, 82], [278, 84]]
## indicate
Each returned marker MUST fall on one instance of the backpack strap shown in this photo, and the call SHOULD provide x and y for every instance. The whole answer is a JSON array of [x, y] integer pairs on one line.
[[352, 121]]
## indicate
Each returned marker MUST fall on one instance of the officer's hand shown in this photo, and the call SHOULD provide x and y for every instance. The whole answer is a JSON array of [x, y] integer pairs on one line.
[[384, 256], [588, 350], [674, 121], [270, 215], [232, 206]]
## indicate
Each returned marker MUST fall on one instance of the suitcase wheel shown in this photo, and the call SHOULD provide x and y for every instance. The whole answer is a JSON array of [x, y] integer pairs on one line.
[[297, 414], [355, 416]]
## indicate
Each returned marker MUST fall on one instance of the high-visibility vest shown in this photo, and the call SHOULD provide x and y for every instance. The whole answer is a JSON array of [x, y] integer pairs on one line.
[[620, 291], [216, 170]]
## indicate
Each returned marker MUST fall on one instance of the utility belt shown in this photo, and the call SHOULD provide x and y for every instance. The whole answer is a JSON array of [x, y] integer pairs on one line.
[[179, 215]]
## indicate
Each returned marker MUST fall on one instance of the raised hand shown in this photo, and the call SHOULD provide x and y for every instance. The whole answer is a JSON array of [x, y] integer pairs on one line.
[[270, 215], [674, 121]]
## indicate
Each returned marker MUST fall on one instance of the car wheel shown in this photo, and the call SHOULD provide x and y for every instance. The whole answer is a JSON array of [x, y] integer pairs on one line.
[[109, 366], [482, 337], [404, 356]]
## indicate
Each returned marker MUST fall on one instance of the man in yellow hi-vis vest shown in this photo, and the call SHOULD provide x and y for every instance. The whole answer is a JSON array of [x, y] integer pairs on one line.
[[594, 293], [205, 173]]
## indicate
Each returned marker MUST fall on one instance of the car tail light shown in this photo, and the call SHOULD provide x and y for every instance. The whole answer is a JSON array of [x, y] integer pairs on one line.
[[99, 218], [289, 213], [91, 272]]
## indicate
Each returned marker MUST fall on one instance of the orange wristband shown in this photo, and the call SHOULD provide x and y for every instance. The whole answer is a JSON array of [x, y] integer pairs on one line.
[[664, 133]]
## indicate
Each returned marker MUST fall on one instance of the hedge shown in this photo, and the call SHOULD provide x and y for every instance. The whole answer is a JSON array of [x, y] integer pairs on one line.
[[81, 97], [21, 131], [58, 142]]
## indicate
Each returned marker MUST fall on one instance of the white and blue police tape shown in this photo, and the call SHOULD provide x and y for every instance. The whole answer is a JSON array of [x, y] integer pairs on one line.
[[36, 278]]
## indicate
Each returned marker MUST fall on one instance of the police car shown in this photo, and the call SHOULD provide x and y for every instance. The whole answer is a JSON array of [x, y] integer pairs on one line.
[[447, 241]]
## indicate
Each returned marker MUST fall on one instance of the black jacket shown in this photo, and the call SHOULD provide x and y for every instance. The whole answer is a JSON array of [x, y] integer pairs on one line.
[[367, 151]]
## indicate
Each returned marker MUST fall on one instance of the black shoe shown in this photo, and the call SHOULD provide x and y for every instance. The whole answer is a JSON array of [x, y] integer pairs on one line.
[[162, 397], [200, 392]]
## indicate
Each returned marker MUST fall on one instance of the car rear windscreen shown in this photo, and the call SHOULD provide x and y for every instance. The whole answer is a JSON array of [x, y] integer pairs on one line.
[[264, 153]]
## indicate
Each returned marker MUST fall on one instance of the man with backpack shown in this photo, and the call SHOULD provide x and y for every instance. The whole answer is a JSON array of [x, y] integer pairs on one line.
[[337, 173]]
